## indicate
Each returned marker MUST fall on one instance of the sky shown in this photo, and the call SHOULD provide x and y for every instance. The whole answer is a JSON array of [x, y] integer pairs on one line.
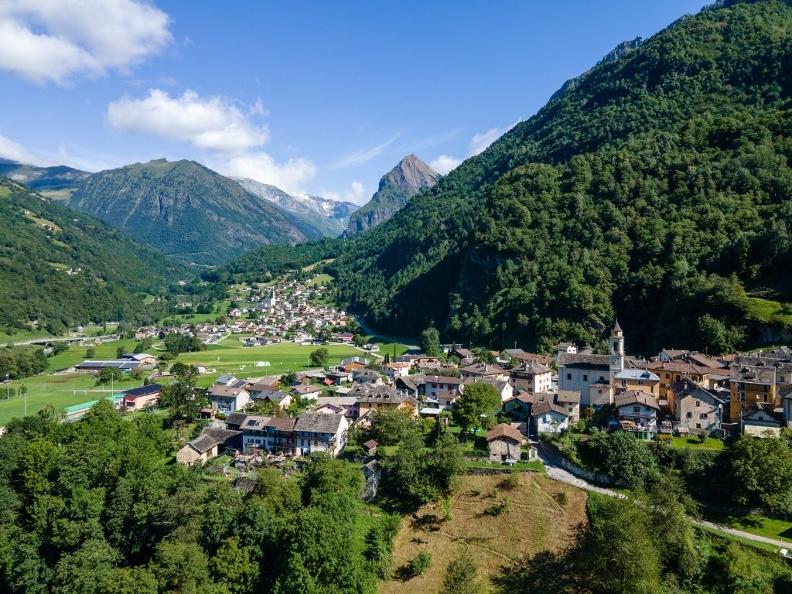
[[318, 97]]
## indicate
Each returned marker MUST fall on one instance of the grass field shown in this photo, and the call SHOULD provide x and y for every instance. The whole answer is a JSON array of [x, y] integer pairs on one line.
[[767, 310], [692, 442], [535, 521], [761, 525], [283, 357]]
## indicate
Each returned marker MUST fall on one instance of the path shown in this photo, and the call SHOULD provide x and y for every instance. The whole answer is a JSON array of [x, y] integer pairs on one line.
[[48, 339], [564, 476]]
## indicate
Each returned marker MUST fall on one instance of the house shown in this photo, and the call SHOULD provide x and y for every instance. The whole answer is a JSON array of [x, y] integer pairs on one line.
[[235, 420], [637, 411], [306, 392], [396, 370], [351, 367], [577, 372], [464, 355], [370, 447], [641, 380], [412, 385], [695, 409], [749, 387], [228, 398], [518, 407], [538, 376], [226, 380], [599, 394], [316, 432], [281, 399], [435, 384], [675, 371], [483, 370], [381, 397], [273, 434], [524, 357], [503, 387], [262, 386], [346, 405], [209, 444], [504, 442], [141, 397], [366, 376], [338, 377], [569, 400], [761, 423], [547, 417]]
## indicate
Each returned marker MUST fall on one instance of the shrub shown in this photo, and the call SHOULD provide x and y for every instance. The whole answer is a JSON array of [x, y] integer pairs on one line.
[[420, 563], [511, 482], [498, 508], [561, 498]]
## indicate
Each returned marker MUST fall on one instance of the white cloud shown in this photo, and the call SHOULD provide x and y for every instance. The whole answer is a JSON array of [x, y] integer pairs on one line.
[[482, 140], [356, 194], [206, 122], [289, 176], [55, 40], [16, 152], [364, 155], [479, 143], [444, 163], [258, 108]]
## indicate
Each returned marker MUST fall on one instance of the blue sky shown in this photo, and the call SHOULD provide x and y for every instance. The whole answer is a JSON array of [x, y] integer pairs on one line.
[[315, 97]]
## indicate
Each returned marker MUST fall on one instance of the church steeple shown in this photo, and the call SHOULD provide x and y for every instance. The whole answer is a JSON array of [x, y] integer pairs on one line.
[[616, 343]]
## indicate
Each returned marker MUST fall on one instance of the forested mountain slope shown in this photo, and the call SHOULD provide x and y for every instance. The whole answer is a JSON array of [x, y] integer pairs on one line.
[[62, 268], [187, 210], [657, 187]]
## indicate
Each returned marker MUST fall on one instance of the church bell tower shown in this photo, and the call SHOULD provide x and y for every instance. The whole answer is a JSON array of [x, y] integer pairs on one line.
[[616, 351]]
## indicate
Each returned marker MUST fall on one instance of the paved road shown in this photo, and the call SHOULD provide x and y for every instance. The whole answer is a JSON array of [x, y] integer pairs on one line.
[[559, 474]]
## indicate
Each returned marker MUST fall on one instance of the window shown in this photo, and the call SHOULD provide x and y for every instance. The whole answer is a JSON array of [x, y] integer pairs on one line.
[[703, 416], [569, 376], [585, 378], [689, 415], [698, 425], [698, 403]]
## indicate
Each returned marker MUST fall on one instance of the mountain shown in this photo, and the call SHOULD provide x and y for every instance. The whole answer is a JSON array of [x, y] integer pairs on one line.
[[329, 216], [55, 182], [396, 187], [187, 210], [657, 187], [61, 268]]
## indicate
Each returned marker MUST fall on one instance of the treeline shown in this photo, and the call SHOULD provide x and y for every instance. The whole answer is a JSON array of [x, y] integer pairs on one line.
[[22, 361], [96, 507], [269, 261], [61, 268], [655, 187]]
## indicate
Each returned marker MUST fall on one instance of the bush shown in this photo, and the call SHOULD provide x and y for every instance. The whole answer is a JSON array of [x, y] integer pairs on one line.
[[511, 482], [498, 508], [419, 564], [561, 498]]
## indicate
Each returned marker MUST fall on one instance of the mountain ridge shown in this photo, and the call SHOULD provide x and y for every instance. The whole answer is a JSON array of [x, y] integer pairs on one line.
[[407, 178]]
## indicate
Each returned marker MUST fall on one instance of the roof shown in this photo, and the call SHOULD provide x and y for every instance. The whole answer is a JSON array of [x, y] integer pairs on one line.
[[318, 423], [637, 374], [281, 423], [110, 364], [226, 378], [379, 393], [504, 431], [443, 379], [705, 361], [678, 367], [225, 391], [235, 418], [531, 368], [583, 360], [143, 391], [635, 397], [210, 438], [685, 388], [540, 408], [301, 390], [371, 443], [754, 375], [483, 369]]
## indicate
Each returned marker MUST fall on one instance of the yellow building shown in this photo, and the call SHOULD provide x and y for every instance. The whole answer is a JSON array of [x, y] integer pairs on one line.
[[750, 386]]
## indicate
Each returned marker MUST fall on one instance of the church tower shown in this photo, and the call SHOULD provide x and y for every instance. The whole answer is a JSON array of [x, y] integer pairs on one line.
[[616, 351]]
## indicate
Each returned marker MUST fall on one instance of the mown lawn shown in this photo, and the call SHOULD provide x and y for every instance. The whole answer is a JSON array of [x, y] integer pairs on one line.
[[693, 442], [767, 310], [282, 358], [77, 354]]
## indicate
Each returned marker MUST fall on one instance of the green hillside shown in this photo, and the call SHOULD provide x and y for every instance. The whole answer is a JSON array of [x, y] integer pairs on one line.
[[60, 268], [655, 187], [187, 210]]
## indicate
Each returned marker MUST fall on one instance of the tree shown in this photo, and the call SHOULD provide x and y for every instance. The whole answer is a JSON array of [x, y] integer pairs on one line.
[[388, 426], [183, 400], [430, 342], [184, 371], [419, 564], [761, 473], [90, 353], [233, 566], [623, 456], [319, 357], [461, 576], [476, 407], [107, 375]]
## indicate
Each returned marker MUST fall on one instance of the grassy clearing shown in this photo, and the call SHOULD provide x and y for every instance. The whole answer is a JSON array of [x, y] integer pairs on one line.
[[532, 522], [755, 524], [520, 466], [75, 354], [767, 310], [320, 280], [693, 442]]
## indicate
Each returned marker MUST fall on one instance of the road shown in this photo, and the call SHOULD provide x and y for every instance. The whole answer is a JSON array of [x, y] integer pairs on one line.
[[46, 339], [559, 474]]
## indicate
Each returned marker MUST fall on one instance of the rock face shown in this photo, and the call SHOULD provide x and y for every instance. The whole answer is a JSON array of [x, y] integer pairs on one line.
[[187, 210], [396, 187], [329, 216]]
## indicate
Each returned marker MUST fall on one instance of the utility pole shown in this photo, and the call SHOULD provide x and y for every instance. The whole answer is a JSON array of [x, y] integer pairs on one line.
[[8, 375]]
